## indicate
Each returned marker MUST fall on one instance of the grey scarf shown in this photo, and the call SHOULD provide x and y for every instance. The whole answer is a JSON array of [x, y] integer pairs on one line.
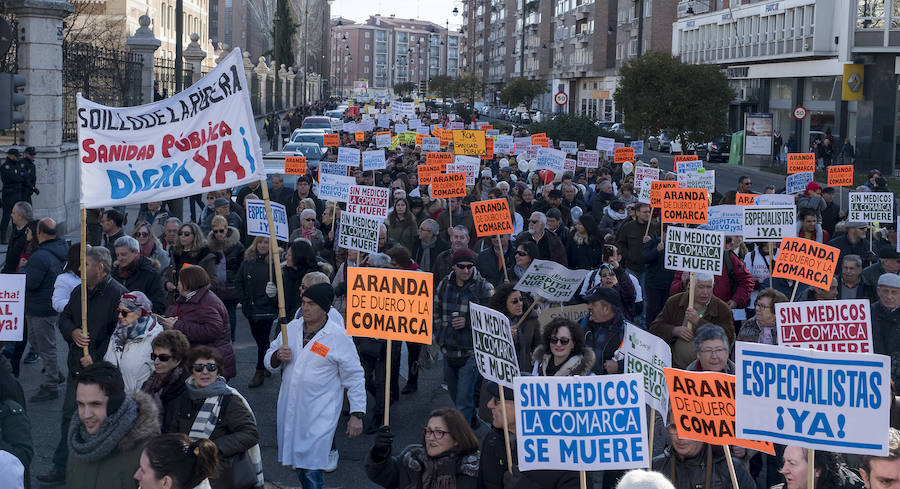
[[425, 263], [93, 448], [217, 388]]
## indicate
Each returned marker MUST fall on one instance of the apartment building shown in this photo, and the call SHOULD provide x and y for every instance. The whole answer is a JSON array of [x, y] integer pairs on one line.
[[576, 46], [833, 58], [373, 56]]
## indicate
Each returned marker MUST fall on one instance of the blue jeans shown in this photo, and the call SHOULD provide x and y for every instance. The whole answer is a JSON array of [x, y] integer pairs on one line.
[[461, 383], [311, 479]]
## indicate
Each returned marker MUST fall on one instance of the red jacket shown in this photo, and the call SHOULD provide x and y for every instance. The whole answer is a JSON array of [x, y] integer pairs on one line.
[[204, 320], [722, 285]]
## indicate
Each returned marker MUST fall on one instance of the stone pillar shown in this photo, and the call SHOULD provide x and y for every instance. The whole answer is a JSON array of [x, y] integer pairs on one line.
[[281, 89], [261, 71], [224, 51], [40, 62], [292, 83], [194, 55], [144, 43]]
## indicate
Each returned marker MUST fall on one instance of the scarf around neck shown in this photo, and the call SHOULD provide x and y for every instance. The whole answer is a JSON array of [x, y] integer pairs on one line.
[[126, 333], [93, 448], [217, 388]]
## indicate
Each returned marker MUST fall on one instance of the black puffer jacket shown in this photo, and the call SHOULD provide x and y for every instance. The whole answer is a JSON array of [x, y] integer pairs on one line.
[[40, 275], [493, 468], [233, 251], [886, 335], [102, 316], [405, 471], [144, 277], [250, 281]]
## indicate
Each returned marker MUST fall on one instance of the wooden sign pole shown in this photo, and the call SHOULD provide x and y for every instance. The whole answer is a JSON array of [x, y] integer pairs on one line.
[[387, 385], [509, 463], [84, 292], [274, 253]]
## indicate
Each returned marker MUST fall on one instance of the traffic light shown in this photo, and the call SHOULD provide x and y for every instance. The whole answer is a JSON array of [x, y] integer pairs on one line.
[[10, 99]]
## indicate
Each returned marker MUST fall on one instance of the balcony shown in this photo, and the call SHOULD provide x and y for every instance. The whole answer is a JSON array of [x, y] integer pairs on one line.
[[797, 29]]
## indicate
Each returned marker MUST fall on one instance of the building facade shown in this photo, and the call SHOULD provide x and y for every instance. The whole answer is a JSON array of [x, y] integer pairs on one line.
[[373, 56], [576, 46], [834, 59]]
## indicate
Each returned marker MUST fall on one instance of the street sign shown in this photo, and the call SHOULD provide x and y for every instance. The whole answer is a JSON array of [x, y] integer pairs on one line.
[[800, 112], [561, 98]]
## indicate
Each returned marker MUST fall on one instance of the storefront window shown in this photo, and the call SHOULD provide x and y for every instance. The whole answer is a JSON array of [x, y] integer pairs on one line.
[[870, 14]]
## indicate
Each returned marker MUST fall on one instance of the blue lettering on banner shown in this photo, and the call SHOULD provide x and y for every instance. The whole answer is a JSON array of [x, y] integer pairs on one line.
[[258, 222], [581, 423], [813, 399]]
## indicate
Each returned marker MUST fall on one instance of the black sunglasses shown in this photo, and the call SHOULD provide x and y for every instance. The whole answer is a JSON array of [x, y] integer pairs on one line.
[[123, 313], [561, 341], [521, 253], [163, 357], [185, 233], [219, 231], [464, 267], [142, 235], [210, 367]]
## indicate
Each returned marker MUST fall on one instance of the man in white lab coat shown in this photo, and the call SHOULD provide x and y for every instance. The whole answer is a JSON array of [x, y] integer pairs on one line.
[[319, 362]]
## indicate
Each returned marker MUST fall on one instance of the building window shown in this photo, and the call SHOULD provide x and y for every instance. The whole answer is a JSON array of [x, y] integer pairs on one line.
[[366, 59], [368, 34], [870, 14]]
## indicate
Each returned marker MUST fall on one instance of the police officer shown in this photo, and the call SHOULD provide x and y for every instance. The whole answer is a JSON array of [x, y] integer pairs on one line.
[[15, 177]]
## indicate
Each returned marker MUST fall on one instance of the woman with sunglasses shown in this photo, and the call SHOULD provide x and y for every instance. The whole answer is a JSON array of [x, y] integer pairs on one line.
[[308, 229], [526, 252], [447, 457], [562, 351], [191, 249], [226, 240], [234, 430], [150, 245], [526, 335], [132, 341], [170, 350]]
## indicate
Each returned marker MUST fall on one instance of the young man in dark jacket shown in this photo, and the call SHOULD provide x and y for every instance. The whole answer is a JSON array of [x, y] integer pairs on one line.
[[604, 329], [40, 276], [136, 272]]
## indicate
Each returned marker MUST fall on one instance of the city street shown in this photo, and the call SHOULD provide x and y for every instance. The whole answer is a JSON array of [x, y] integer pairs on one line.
[[408, 416]]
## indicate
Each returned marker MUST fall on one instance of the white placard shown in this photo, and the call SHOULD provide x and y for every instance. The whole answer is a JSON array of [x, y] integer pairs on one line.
[[495, 350], [647, 354], [373, 160], [368, 201], [871, 207], [694, 250], [348, 156], [12, 307], [769, 223], [359, 232], [258, 223]]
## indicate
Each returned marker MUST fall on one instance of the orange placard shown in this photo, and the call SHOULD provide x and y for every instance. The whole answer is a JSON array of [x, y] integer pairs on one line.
[[331, 140], [621, 155], [389, 304], [295, 165], [744, 199], [433, 158], [419, 138], [429, 170], [492, 217], [319, 349], [806, 261], [542, 141], [488, 149], [840, 175], [485, 127], [359, 136], [538, 135], [446, 185], [680, 158], [436, 131], [703, 408], [685, 206], [801, 162], [656, 191]]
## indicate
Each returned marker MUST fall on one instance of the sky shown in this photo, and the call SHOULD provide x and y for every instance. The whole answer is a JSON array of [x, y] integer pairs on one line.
[[437, 11]]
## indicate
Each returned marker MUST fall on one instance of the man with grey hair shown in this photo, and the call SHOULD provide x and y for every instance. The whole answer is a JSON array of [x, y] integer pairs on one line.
[[104, 293], [644, 479], [170, 234], [886, 321], [851, 285], [888, 262], [549, 245], [711, 346], [429, 245], [678, 319], [459, 238], [136, 272], [22, 215]]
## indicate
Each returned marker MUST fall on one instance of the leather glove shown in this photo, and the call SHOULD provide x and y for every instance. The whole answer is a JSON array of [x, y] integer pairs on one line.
[[384, 439], [271, 290]]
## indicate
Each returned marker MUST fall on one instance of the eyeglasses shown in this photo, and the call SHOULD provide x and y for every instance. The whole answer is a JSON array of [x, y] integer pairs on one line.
[[162, 357], [219, 231], [210, 367], [521, 253], [534, 221], [436, 434], [308, 219], [464, 267], [562, 341], [185, 233], [764, 306], [141, 235], [713, 351], [124, 313]]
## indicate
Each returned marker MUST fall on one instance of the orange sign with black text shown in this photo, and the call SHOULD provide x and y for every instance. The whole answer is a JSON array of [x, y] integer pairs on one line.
[[656, 191], [840, 175], [331, 139], [389, 304], [492, 217], [295, 165], [685, 206], [446, 185], [801, 162], [806, 261], [621, 155], [744, 199]]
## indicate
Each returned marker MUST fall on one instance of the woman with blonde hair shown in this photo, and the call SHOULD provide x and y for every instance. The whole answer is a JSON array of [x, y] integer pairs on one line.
[[257, 295]]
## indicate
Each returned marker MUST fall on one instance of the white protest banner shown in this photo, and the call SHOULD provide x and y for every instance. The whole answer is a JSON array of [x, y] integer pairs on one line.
[[581, 423], [573, 313], [774, 199], [770, 223], [329, 168], [638, 147], [383, 121], [368, 201], [606, 144], [694, 250], [520, 145], [842, 326], [550, 159], [700, 178], [618, 145], [12, 307], [796, 182], [568, 147], [400, 128], [348, 156], [495, 350], [689, 166], [642, 173], [382, 140], [551, 280], [838, 402], [645, 191], [373, 160], [588, 159], [197, 141], [647, 354], [258, 223], [423, 130], [359, 232], [871, 207], [465, 164], [335, 187], [434, 116], [531, 152], [726, 218], [569, 165], [492, 133], [431, 144], [456, 126], [503, 145]]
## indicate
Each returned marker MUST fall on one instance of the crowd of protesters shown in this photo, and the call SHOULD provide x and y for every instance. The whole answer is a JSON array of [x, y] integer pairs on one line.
[[155, 402]]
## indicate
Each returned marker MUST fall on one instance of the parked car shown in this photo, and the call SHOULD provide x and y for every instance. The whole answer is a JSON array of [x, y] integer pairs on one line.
[[317, 123], [274, 160], [604, 125], [716, 150], [661, 143], [675, 146], [621, 132], [308, 137]]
